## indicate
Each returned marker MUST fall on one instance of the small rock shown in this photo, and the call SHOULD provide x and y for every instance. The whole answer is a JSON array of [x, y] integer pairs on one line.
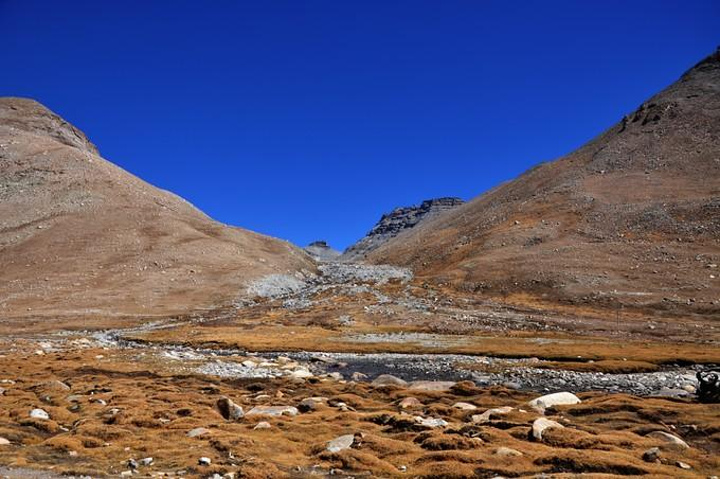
[[555, 399], [229, 410], [487, 415], [39, 414], [146, 461], [683, 465], [262, 425], [204, 461], [668, 439], [311, 404], [273, 411], [430, 422], [410, 402], [340, 443], [4, 442], [465, 406], [651, 455], [432, 385], [301, 374], [126, 474], [507, 452], [198, 431], [132, 464], [358, 376], [541, 425], [388, 380]]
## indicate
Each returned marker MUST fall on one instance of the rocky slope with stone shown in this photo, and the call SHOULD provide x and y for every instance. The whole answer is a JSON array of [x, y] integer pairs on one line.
[[322, 251], [397, 221], [82, 238], [631, 219]]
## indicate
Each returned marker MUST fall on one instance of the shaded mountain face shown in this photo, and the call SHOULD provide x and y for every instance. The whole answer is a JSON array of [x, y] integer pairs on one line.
[[631, 218], [81, 237], [397, 221]]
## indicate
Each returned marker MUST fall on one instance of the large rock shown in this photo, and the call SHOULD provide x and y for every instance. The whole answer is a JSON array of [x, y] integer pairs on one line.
[[229, 410], [555, 399], [543, 424]]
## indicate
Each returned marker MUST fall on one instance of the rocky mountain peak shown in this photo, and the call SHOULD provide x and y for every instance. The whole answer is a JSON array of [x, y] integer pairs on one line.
[[398, 220]]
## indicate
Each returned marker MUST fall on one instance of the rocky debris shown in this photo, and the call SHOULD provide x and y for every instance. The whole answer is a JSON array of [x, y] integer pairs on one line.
[[274, 286], [197, 432], [651, 455], [39, 414], [397, 221], [555, 399], [340, 443], [708, 390], [229, 410], [388, 380], [541, 425], [342, 273], [668, 439], [273, 411], [487, 415], [321, 251]]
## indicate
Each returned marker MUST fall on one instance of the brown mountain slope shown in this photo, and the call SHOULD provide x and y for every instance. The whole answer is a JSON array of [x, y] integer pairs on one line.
[[81, 237], [632, 218]]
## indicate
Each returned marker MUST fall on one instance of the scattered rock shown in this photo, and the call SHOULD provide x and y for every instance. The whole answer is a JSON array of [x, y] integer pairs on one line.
[[204, 461], [273, 411], [146, 461], [4, 442], [197, 432], [651, 455], [229, 410], [262, 425], [340, 443], [432, 385], [683, 465], [39, 414], [668, 439], [410, 402], [430, 422], [507, 452], [357, 376], [555, 399], [311, 404], [388, 380], [487, 415], [541, 425], [465, 406]]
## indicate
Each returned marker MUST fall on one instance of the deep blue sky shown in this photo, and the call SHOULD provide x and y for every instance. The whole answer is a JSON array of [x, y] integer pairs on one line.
[[309, 119]]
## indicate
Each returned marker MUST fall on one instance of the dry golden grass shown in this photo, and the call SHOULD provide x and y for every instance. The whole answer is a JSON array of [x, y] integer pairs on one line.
[[156, 407]]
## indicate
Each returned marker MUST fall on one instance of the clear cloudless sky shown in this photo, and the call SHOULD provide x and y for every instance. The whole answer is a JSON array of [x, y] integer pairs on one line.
[[309, 119]]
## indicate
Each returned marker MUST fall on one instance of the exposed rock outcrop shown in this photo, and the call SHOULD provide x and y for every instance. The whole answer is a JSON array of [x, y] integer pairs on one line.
[[322, 251], [397, 221]]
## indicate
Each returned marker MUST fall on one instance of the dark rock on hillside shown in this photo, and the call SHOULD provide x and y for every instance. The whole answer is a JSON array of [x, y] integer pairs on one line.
[[397, 221], [321, 251]]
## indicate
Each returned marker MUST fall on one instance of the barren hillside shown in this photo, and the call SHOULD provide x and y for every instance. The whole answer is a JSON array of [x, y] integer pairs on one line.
[[631, 218], [80, 237]]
